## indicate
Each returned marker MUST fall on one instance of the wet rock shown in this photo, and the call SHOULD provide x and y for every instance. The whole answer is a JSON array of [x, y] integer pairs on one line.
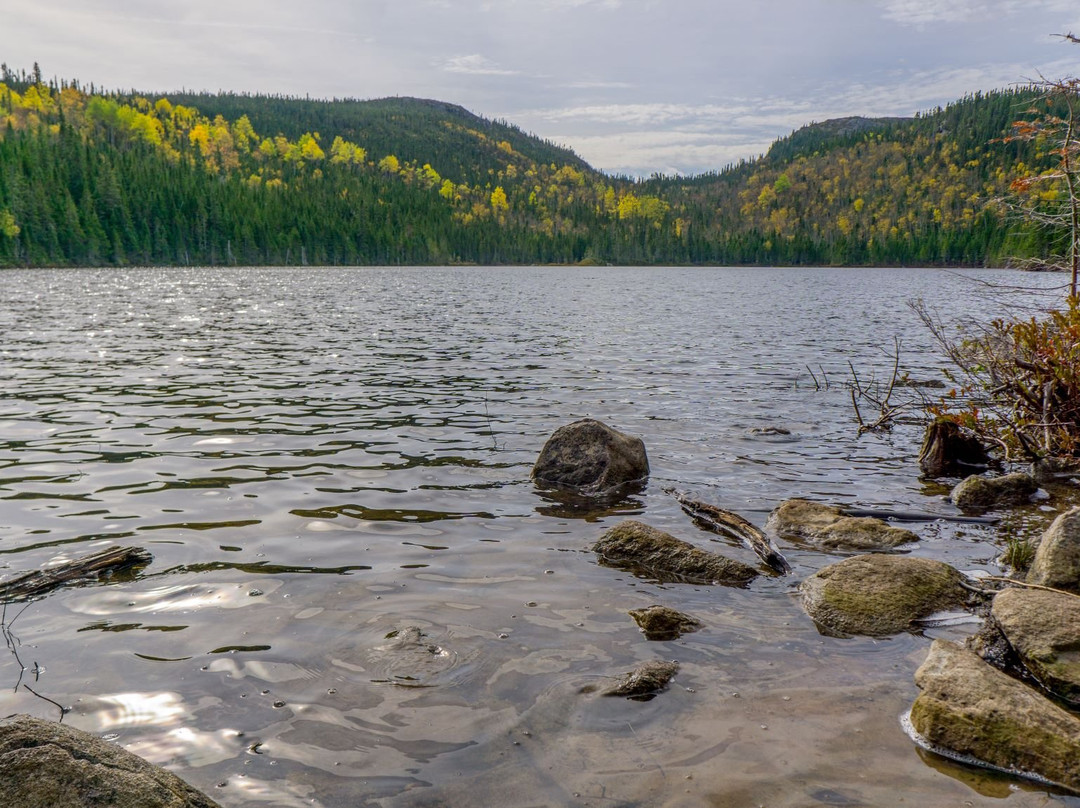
[[1050, 470], [642, 549], [645, 681], [982, 493], [1044, 630], [948, 451], [662, 623], [1057, 560], [876, 595], [590, 457], [830, 528], [972, 709], [770, 431], [49, 765]]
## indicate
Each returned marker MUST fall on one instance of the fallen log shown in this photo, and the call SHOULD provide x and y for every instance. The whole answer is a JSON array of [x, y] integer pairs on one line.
[[92, 567], [728, 523], [917, 516]]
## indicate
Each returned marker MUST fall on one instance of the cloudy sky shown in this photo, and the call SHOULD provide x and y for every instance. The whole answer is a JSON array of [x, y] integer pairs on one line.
[[634, 86]]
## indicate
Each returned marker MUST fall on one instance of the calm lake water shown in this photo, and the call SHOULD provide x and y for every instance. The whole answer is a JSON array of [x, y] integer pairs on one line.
[[319, 457]]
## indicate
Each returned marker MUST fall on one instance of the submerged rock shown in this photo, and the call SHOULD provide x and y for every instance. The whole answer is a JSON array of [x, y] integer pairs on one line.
[[1057, 560], [49, 765], [830, 528], [876, 595], [662, 623], [974, 710], [948, 451], [982, 493], [645, 681], [590, 457], [637, 547], [1043, 628]]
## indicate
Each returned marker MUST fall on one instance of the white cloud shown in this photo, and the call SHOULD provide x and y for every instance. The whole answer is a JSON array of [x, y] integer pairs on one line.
[[475, 64], [922, 12]]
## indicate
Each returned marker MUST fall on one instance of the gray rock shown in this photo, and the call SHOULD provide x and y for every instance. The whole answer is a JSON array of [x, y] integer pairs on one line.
[[1050, 470], [830, 528], [947, 450], [978, 494], [645, 681], [972, 709], [877, 595], [663, 623], [1043, 628], [49, 765], [1057, 561], [642, 549], [591, 458]]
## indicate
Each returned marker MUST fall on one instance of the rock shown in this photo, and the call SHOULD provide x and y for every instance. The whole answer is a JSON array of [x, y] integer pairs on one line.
[[982, 493], [947, 451], [972, 709], [1057, 561], [876, 595], [645, 550], [49, 765], [830, 528], [1050, 470], [590, 457], [770, 431], [645, 681], [662, 623], [1043, 628]]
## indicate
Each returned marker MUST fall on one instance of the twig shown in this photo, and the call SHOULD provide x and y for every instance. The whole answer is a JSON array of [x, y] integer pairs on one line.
[[1026, 585]]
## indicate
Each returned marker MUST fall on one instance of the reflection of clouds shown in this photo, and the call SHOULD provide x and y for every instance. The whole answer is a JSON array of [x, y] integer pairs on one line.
[[180, 598], [921, 12], [140, 710], [191, 746]]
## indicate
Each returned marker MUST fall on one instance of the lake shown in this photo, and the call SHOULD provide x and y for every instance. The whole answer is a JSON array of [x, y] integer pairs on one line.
[[319, 458]]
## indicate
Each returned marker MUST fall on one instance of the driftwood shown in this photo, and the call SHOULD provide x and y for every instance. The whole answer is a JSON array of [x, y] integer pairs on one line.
[[728, 523], [92, 567], [916, 516]]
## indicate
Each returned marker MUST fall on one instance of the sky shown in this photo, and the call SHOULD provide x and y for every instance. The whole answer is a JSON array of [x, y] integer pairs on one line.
[[634, 86]]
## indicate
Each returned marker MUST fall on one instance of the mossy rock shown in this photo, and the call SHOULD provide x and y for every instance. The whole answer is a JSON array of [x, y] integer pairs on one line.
[[49, 765], [645, 681], [977, 494], [829, 528], [1057, 561], [974, 710], [664, 623], [635, 546], [877, 595], [1043, 628]]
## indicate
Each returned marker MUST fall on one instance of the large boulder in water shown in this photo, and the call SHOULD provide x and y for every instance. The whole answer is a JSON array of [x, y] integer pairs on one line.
[[590, 457], [642, 549], [948, 451], [828, 527], [1057, 561], [49, 765], [977, 494], [973, 710], [1043, 628], [877, 595]]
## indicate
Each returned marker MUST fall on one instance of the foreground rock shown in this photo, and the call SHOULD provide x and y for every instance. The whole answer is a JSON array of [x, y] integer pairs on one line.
[[970, 708], [645, 681], [48, 765], [590, 457], [830, 528], [1043, 628], [976, 494], [947, 451], [877, 595], [662, 623], [642, 549], [1057, 561]]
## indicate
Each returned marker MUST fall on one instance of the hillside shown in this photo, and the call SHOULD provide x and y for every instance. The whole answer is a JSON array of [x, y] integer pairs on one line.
[[165, 179]]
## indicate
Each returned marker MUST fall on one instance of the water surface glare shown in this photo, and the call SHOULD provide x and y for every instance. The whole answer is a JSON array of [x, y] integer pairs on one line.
[[357, 596]]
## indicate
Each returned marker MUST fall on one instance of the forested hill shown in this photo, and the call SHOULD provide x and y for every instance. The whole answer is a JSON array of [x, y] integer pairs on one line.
[[168, 179]]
